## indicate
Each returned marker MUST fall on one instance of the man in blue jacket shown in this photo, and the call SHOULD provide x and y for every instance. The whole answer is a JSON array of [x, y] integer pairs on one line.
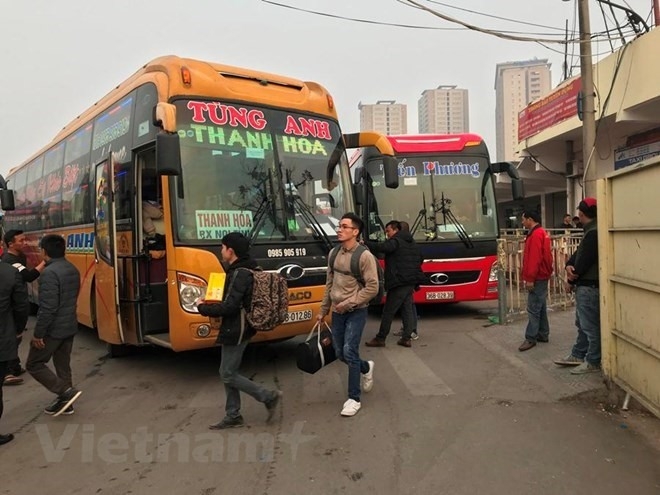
[[14, 309], [57, 325], [235, 332]]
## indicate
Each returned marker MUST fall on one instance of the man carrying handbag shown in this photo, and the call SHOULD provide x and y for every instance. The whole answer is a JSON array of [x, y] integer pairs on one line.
[[349, 299]]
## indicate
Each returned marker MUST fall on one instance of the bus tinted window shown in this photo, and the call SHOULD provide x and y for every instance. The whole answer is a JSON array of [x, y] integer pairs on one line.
[[112, 134], [34, 194], [143, 129], [51, 212], [75, 184], [16, 219]]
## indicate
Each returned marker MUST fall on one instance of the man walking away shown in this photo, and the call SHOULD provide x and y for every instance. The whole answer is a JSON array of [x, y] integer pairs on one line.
[[235, 332], [14, 309], [57, 325], [582, 272], [402, 273], [15, 256], [536, 271], [349, 300]]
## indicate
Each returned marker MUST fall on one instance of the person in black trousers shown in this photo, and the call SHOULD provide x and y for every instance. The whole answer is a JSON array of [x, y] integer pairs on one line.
[[403, 272], [14, 310], [15, 256]]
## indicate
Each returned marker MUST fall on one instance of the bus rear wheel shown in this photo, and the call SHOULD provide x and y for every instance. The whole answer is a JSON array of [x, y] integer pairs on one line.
[[119, 350]]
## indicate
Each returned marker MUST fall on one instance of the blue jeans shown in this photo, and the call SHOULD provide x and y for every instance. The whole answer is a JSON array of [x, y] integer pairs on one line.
[[587, 320], [346, 336], [537, 309], [235, 383]]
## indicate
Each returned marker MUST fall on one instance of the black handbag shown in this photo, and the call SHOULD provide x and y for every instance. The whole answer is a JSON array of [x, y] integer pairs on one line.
[[317, 351]]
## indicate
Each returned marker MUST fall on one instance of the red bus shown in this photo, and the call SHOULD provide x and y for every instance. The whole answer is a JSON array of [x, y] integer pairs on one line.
[[446, 193]]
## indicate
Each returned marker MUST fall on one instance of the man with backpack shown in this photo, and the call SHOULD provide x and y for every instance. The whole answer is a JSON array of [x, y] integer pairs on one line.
[[348, 296], [403, 271], [536, 271], [236, 331]]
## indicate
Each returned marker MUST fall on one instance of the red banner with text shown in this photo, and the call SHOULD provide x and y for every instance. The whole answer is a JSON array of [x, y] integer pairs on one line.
[[558, 106]]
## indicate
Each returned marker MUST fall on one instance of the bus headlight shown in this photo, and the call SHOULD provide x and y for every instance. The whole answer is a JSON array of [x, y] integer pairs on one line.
[[191, 288], [493, 273]]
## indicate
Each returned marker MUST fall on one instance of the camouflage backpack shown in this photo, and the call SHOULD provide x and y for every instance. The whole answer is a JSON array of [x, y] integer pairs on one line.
[[270, 301]]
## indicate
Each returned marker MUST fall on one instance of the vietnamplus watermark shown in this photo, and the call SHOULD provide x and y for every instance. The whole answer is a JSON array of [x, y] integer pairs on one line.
[[145, 446]]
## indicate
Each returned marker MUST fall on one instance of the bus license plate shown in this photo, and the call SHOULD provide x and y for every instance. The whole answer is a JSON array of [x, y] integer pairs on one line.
[[295, 316], [434, 296]]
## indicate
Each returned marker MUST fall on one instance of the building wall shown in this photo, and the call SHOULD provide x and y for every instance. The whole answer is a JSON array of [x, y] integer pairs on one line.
[[516, 85], [444, 110], [384, 116]]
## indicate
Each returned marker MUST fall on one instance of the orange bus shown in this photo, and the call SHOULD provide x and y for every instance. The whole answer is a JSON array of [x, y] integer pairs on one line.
[[146, 182]]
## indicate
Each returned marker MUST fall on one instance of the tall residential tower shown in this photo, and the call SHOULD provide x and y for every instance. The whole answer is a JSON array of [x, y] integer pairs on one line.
[[386, 116], [516, 85], [444, 110]]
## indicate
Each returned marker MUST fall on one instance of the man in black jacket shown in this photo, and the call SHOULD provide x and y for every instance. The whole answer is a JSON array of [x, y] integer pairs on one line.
[[235, 332], [14, 309], [57, 325], [582, 272], [14, 255], [403, 272]]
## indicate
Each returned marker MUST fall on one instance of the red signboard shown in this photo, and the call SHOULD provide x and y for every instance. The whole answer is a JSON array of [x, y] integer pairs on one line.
[[558, 106]]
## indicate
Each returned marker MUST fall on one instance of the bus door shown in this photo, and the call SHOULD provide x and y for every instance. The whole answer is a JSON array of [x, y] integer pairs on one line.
[[114, 278], [152, 265]]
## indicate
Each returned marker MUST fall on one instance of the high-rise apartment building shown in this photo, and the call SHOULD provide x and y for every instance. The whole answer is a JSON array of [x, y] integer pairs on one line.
[[444, 110], [516, 85], [386, 116]]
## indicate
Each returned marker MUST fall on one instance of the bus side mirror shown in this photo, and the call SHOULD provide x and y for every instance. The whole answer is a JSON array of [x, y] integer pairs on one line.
[[359, 192], [168, 154], [517, 189], [7, 200], [164, 116], [391, 172]]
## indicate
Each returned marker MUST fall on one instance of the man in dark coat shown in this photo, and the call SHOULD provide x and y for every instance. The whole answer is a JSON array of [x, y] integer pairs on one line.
[[403, 271], [57, 325], [15, 256], [235, 332], [14, 309]]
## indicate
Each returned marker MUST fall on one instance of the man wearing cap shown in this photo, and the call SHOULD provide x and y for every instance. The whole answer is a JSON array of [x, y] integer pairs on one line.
[[582, 273], [536, 271], [235, 332]]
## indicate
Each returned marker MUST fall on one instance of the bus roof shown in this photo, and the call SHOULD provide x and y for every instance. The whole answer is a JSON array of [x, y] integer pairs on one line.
[[421, 143], [208, 79]]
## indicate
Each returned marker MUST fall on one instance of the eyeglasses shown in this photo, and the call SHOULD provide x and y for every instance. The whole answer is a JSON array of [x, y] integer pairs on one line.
[[345, 227]]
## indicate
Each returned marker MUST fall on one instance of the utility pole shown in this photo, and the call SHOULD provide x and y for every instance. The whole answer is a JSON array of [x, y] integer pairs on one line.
[[656, 12], [588, 107]]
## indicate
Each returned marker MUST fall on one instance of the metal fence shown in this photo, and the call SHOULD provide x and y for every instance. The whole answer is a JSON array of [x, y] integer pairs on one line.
[[512, 292]]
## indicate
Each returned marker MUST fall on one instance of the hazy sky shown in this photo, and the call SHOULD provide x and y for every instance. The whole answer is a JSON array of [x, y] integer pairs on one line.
[[58, 58]]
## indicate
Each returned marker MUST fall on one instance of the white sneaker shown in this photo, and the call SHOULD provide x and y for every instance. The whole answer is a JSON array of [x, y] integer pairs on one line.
[[367, 379], [414, 336], [351, 408]]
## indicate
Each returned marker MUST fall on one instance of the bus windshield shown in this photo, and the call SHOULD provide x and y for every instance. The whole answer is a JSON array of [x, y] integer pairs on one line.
[[259, 171], [441, 197]]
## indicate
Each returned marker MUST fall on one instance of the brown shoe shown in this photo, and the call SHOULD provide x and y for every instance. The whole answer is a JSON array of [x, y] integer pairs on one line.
[[404, 342], [375, 342], [526, 346]]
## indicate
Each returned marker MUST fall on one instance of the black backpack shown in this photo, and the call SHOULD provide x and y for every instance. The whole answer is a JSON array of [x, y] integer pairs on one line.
[[355, 270]]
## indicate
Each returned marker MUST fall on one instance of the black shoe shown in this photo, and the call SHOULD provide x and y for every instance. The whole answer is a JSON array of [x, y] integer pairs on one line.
[[55, 406], [17, 371], [6, 438], [66, 399], [271, 405], [228, 423], [543, 340]]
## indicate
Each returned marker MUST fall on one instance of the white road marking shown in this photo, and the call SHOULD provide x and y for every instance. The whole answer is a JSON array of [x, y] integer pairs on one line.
[[414, 373]]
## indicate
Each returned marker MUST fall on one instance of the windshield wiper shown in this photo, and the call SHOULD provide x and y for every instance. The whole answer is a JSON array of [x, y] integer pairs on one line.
[[304, 210], [267, 203], [447, 214]]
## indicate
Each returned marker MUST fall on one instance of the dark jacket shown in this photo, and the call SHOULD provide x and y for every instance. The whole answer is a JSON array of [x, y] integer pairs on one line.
[[403, 260], [14, 310], [234, 329], [585, 259], [20, 263], [59, 285], [537, 258]]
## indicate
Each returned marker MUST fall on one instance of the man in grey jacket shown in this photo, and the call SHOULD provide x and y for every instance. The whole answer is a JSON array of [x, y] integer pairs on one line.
[[56, 326]]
